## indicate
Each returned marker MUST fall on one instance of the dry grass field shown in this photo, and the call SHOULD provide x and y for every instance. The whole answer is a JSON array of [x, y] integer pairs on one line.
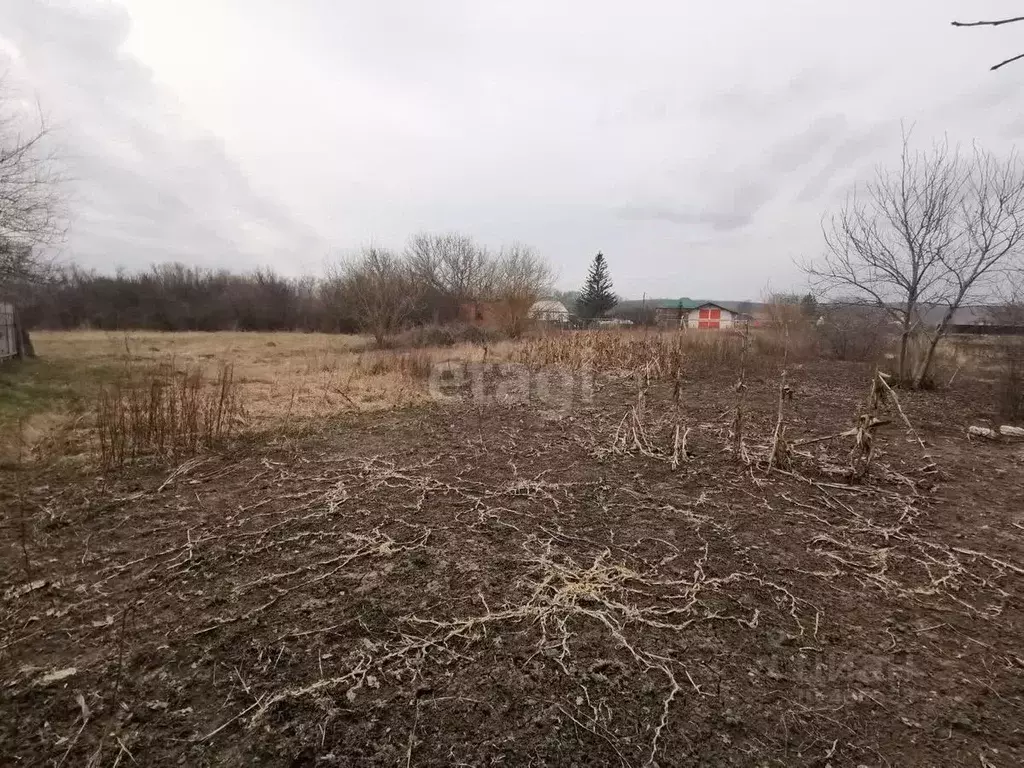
[[650, 567], [284, 379]]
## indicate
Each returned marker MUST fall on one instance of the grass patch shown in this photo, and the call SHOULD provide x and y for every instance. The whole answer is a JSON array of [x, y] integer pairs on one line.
[[39, 396]]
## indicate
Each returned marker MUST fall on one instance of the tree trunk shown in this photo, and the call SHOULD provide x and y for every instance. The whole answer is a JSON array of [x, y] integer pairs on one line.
[[926, 363], [904, 340]]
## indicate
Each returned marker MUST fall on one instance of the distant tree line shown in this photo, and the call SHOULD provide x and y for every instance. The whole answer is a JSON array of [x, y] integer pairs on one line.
[[175, 297], [438, 278]]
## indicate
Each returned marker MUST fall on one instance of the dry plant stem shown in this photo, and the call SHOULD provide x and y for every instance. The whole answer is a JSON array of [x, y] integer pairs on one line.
[[167, 415], [555, 590], [930, 465], [23, 524], [780, 451], [676, 397], [736, 430]]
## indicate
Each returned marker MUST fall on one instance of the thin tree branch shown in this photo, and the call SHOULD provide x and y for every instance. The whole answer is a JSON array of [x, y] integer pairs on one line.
[[1008, 61], [995, 23]]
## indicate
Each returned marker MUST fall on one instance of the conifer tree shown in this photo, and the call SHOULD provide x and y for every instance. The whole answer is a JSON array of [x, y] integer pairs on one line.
[[596, 299]]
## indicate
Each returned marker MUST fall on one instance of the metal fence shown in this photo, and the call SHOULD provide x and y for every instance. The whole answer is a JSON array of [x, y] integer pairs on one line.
[[9, 341]]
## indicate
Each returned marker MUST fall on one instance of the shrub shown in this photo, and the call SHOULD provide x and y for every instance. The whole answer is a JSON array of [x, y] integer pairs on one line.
[[1010, 379], [445, 336], [854, 333], [169, 414], [415, 364]]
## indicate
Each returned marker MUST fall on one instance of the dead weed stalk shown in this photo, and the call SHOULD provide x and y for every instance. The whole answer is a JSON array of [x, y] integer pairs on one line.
[[168, 414]]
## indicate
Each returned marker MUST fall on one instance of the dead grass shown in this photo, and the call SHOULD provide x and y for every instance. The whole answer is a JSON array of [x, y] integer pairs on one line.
[[293, 380], [660, 354], [282, 380], [169, 414]]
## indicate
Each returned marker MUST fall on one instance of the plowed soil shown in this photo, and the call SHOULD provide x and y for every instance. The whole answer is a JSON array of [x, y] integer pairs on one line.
[[471, 584]]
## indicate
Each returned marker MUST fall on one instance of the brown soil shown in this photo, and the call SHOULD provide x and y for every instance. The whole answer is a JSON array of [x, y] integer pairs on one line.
[[470, 586]]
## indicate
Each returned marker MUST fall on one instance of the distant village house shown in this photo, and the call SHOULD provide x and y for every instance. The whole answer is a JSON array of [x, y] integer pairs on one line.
[[550, 312], [699, 315]]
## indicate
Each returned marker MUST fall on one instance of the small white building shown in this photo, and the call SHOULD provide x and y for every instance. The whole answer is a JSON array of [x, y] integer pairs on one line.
[[709, 316], [549, 311]]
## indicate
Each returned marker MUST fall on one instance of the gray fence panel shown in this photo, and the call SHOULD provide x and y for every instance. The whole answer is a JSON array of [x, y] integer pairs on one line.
[[8, 332]]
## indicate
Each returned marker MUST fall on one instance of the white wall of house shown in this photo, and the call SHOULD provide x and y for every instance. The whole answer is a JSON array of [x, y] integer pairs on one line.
[[710, 317]]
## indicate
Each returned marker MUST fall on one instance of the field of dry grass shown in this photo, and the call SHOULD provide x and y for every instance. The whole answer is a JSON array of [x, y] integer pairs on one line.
[[284, 379], [293, 380], [282, 375]]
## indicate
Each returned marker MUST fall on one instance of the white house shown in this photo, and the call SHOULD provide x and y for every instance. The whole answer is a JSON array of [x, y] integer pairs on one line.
[[549, 311], [709, 316]]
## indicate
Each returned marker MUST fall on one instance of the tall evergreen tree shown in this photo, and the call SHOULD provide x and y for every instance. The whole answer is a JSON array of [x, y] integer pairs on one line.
[[596, 299]]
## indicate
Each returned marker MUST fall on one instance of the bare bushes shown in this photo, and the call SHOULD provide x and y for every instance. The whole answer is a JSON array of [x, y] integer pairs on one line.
[[169, 414], [442, 280], [854, 333], [415, 364], [445, 336], [381, 291], [1009, 364]]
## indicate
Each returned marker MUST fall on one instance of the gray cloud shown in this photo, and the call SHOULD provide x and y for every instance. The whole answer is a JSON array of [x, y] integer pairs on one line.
[[698, 148], [716, 220], [145, 185]]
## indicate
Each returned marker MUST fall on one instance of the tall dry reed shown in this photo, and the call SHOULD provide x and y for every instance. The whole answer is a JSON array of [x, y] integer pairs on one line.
[[661, 354], [167, 413]]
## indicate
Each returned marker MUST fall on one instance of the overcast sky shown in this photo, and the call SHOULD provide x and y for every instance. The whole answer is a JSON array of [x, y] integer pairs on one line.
[[697, 144]]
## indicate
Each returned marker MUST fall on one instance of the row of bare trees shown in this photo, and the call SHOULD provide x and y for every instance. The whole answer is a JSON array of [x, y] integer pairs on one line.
[[439, 278], [174, 297]]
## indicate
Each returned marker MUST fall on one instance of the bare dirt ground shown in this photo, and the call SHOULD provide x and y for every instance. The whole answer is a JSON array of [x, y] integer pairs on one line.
[[463, 585]]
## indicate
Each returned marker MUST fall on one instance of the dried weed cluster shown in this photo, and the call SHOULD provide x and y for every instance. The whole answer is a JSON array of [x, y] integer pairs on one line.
[[169, 413]]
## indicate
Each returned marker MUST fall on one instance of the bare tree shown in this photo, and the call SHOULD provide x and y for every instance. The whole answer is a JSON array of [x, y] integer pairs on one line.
[[382, 292], [932, 233], [31, 201], [453, 270], [990, 232], [995, 23], [782, 311], [521, 278]]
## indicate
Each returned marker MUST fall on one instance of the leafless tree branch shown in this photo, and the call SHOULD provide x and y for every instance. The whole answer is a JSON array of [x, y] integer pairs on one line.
[[994, 23], [935, 233], [381, 289], [31, 194], [1007, 61]]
